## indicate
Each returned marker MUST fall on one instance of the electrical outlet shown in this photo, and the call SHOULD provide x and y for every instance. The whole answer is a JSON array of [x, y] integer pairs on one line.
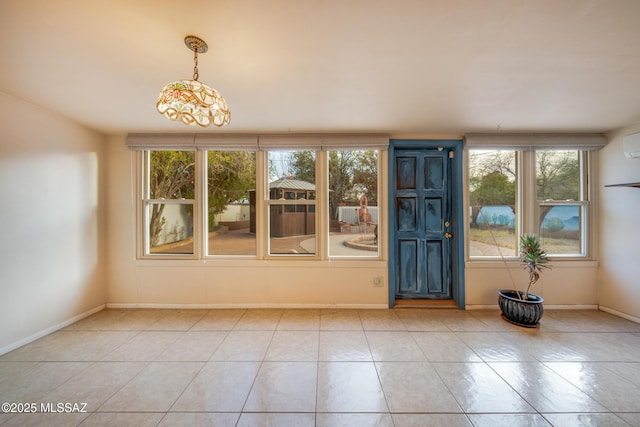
[[377, 281]]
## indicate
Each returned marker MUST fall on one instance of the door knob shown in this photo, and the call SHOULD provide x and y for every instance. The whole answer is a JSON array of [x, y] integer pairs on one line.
[[448, 235]]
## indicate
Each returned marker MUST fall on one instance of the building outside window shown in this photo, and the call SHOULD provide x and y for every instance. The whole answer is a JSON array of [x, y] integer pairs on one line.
[[292, 202]]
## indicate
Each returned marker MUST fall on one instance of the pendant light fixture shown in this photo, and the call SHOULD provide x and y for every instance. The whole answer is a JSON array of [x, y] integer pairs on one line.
[[190, 101]]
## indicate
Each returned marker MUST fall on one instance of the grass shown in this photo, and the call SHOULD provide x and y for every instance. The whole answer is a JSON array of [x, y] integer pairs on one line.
[[503, 237]]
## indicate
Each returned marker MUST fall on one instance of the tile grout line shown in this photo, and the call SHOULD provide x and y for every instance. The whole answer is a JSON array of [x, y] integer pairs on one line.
[[253, 383]]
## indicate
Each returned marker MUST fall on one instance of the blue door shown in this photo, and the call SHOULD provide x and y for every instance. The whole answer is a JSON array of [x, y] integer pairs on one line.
[[422, 203]]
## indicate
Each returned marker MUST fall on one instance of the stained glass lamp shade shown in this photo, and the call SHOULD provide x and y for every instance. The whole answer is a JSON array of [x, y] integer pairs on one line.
[[192, 102]]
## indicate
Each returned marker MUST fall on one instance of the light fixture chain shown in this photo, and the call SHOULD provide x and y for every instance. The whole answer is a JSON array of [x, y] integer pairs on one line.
[[195, 64]]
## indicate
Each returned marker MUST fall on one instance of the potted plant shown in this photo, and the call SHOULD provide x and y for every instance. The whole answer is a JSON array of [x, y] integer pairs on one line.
[[523, 307]]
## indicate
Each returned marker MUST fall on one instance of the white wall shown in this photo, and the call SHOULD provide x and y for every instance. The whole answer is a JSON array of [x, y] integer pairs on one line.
[[265, 283], [221, 282], [619, 275], [52, 221], [59, 200], [571, 284]]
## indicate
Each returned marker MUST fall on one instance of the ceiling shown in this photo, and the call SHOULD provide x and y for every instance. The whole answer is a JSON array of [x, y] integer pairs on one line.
[[403, 67]]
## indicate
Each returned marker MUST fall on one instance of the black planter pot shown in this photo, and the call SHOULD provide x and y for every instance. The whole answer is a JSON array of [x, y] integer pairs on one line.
[[520, 312]]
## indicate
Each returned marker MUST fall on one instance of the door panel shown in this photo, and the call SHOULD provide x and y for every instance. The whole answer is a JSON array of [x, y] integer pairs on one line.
[[406, 213], [434, 173], [435, 276], [408, 256], [433, 215], [406, 173], [423, 208]]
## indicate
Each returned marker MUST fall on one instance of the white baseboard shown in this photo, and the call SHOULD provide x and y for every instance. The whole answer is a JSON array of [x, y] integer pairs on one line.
[[230, 305], [620, 314], [571, 306], [47, 331], [482, 307], [546, 306]]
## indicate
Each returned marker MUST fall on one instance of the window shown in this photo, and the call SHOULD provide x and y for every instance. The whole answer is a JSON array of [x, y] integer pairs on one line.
[[493, 203], [169, 202], [537, 191], [562, 201], [353, 203], [291, 200], [206, 196], [230, 191]]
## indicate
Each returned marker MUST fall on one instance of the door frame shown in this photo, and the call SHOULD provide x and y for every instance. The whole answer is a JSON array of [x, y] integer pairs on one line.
[[457, 213]]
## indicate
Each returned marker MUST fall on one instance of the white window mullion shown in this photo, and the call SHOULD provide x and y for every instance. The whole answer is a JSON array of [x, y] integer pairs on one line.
[[322, 218], [584, 202], [594, 202], [383, 201], [141, 192], [262, 184], [529, 209], [200, 232]]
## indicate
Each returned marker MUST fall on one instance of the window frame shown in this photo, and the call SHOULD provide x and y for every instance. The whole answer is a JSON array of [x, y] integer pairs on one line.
[[519, 203], [528, 205], [204, 182], [269, 203], [381, 208], [144, 201], [140, 167], [585, 203]]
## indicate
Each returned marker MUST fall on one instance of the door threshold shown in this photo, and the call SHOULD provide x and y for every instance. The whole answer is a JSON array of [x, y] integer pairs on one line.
[[425, 303]]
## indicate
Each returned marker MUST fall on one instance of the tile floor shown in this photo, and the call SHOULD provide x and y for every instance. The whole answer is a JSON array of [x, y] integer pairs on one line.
[[271, 367]]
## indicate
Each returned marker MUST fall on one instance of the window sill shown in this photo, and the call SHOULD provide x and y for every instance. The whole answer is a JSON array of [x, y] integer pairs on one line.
[[629, 184], [557, 263], [255, 263]]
